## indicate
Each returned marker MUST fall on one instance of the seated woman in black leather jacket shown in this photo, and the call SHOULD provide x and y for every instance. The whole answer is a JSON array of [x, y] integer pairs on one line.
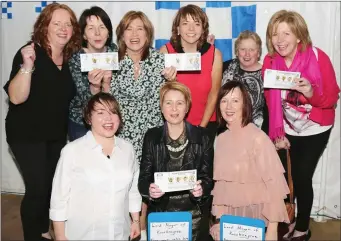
[[178, 146]]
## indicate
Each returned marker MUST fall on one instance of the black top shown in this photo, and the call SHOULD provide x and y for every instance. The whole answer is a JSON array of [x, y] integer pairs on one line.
[[44, 115]]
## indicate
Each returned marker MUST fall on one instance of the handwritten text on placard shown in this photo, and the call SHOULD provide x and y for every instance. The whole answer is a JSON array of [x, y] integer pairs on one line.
[[169, 231], [241, 232]]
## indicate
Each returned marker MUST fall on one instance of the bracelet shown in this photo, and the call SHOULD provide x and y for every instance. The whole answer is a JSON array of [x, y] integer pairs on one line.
[[136, 221], [26, 71]]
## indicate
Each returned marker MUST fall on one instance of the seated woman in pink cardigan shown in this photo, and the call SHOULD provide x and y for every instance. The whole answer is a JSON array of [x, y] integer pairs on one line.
[[247, 170]]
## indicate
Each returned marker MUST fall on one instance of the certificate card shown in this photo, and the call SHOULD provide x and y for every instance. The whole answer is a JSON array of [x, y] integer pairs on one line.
[[169, 226], [276, 79], [169, 231], [241, 232], [241, 228], [184, 61], [176, 181], [104, 61]]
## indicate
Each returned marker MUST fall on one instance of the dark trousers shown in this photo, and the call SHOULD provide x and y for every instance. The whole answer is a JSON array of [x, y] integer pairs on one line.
[[305, 152], [76, 130], [37, 162]]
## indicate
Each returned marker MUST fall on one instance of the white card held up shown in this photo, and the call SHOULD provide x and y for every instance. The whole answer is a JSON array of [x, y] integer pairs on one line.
[[176, 181], [276, 79], [184, 61], [104, 61]]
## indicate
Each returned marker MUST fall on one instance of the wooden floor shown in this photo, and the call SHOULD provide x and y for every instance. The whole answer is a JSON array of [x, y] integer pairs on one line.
[[11, 224]]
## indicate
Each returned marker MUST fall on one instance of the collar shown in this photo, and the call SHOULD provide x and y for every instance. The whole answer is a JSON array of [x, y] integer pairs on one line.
[[93, 144], [193, 134], [205, 47]]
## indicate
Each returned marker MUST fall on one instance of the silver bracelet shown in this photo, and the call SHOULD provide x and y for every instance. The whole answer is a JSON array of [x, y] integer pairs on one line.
[[26, 71]]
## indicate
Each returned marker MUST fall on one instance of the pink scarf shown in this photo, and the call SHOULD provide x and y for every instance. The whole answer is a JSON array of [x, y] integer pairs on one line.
[[305, 63]]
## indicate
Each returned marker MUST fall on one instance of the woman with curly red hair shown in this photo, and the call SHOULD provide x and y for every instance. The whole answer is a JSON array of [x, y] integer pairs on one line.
[[40, 88]]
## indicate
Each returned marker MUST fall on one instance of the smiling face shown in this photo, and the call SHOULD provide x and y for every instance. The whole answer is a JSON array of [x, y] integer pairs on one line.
[[104, 123], [284, 41], [231, 107], [174, 107], [59, 31], [190, 30], [248, 54], [96, 34], [135, 36]]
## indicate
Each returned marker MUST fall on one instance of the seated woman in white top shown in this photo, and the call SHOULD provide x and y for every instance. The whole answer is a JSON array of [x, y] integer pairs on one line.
[[95, 184]]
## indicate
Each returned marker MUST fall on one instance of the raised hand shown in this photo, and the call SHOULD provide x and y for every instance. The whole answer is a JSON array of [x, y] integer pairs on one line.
[[29, 56]]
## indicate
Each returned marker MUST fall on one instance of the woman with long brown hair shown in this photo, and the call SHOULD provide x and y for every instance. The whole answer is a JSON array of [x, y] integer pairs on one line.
[[40, 88]]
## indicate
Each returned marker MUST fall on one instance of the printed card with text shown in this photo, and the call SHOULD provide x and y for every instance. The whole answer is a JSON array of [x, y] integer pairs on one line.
[[176, 181], [276, 79], [184, 61], [104, 61]]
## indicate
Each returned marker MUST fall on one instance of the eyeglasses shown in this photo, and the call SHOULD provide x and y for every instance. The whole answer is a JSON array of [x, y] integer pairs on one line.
[[61, 25]]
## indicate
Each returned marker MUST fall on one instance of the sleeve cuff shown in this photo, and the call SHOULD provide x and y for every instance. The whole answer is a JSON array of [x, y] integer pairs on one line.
[[58, 215], [135, 205]]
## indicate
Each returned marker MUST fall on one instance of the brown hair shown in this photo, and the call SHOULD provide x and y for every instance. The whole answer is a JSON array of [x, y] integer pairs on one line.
[[297, 25], [124, 24], [248, 35], [198, 15], [174, 85], [105, 99], [40, 30], [247, 105]]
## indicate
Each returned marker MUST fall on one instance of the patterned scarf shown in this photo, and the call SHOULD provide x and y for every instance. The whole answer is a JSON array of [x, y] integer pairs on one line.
[[305, 63]]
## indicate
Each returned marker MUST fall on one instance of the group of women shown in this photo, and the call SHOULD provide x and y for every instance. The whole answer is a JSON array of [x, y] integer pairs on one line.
[[128, 124]]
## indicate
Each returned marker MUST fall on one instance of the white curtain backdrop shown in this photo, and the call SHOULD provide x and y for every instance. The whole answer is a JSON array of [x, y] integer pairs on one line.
[[323, 20]]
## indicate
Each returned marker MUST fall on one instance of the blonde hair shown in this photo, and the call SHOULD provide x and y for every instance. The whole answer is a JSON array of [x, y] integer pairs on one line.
[[124, 24], [198, 15], [297, 25], [174, 85], [248, 35]]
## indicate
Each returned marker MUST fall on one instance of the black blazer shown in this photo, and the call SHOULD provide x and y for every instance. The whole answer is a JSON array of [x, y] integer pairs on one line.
[[155, 156]]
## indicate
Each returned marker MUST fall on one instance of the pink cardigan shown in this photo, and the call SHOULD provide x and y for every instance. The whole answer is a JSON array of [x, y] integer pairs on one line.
[[323, 106]]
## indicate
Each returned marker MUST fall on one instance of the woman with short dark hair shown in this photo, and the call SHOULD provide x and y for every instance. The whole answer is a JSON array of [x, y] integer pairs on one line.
[[94, 194], [96, 34]]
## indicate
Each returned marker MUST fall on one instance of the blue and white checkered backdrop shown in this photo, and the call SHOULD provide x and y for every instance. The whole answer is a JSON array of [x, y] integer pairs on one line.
[[226, 21]]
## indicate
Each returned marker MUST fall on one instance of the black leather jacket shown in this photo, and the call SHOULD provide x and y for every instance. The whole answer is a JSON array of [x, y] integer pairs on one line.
[[155, 156], [198, 155]]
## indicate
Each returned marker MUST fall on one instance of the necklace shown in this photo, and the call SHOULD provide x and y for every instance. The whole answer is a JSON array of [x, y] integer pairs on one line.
[[179, 148], [137, 69]]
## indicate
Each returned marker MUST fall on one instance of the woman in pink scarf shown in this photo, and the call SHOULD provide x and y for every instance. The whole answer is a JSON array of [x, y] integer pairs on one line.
[[301, 118]]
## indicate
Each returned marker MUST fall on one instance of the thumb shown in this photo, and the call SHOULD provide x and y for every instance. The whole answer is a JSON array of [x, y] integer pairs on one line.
[[32, 45]]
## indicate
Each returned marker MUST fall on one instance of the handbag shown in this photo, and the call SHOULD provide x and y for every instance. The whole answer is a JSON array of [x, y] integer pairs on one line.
[[291, 204]]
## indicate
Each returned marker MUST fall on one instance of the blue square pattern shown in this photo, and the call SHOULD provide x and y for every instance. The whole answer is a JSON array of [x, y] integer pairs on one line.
[[243, 18], [167, 5], [5, 10], [42, 5], [225, 47], [160, 42], [218, 4]]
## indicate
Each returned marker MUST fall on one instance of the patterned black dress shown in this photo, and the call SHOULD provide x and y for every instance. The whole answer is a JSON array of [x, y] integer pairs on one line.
[[254, 84], [139, 99]]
